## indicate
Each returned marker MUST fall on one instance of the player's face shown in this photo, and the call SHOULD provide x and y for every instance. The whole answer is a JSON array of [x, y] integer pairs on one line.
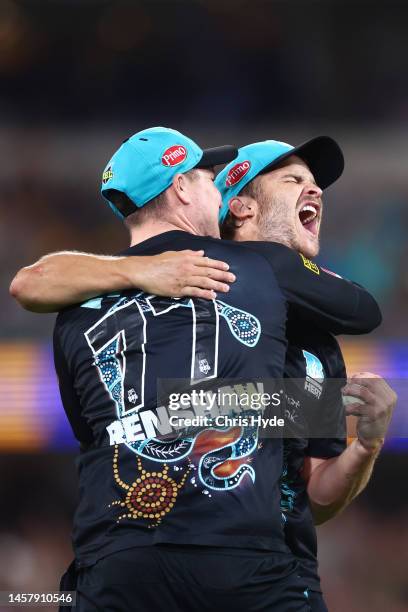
[[290, 207], [207, 203]]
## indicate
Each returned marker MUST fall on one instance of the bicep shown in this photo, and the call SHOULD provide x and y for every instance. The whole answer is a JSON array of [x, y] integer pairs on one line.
[[310, 464]]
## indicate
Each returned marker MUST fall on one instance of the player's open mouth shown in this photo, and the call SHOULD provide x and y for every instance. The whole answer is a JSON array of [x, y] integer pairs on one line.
[[309, 217]]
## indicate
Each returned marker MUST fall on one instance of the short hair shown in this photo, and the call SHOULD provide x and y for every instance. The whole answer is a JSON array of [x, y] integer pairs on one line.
[[252, 190], [154, 209]]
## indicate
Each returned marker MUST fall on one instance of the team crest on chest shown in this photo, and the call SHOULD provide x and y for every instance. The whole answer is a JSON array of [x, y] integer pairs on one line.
[[314, 374]]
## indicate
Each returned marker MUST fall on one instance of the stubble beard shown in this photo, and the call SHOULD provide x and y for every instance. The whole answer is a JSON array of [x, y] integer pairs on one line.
[[274, 224]]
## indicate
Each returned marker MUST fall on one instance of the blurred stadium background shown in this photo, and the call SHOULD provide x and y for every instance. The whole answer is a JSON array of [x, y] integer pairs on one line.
[[79, 76]]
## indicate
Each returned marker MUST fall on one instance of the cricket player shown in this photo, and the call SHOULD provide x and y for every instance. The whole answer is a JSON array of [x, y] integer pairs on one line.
[[198, 522], [272, 192]]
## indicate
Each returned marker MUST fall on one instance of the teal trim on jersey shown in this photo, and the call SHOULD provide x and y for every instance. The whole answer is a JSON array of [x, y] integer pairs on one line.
[[145, 164], [95, 303], [251, 160], [288, 495]]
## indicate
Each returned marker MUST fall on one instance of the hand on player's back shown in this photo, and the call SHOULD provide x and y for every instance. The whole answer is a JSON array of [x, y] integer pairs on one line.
[[185, 273], [374, 406]]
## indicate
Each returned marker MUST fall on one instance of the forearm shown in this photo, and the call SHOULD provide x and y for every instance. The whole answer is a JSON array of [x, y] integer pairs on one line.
[[65, 278], [320, 298], [337, 481], [61, 279]]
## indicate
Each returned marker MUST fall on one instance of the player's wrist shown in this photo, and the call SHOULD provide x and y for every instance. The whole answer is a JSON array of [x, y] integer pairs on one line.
[[369, 447], [126, 273]]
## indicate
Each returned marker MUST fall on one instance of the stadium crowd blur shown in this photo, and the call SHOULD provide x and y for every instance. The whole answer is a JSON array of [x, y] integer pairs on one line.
[[78, 77]]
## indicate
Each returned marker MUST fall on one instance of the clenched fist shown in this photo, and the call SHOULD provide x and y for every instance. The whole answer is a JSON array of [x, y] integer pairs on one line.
[[375, 403]]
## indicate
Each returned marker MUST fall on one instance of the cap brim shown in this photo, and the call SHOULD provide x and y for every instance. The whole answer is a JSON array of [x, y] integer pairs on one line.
[[217, 156], [323, 156]]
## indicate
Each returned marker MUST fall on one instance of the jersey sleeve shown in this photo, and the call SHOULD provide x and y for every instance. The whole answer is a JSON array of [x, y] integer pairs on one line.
[[333, 409], [69, 397], [319, 297]]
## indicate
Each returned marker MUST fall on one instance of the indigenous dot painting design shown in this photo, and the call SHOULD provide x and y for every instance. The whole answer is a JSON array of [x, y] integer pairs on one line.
[[288, 494], [242, 447], [221, 465], [106, 361], [151, 496], [244, 326]]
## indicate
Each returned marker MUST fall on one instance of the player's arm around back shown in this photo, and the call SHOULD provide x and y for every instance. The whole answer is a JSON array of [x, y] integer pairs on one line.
[[61, 279], [320, 297]]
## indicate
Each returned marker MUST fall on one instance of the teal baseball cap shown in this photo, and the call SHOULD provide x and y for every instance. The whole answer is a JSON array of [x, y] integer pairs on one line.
[[322, 154], [145, 164]]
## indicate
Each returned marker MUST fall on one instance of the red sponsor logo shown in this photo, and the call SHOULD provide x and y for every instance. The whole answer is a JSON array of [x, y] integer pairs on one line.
[[237, 173], [174, 155]]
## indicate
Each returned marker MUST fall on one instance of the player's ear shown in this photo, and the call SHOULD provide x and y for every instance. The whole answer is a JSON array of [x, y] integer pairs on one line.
[[242, 208], [182, 187]]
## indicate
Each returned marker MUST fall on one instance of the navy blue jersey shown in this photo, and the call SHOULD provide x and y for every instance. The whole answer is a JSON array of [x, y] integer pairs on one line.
[[218, 488], [315, 373]]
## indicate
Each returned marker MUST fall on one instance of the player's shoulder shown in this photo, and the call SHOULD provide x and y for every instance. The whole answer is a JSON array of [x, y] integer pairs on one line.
[[263, 246], [85, 313], [229, 250], [228, 245], [178, 240], [278, 255]]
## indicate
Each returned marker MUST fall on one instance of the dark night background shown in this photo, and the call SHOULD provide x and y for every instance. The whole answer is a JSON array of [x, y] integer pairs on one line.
[[76, 78]]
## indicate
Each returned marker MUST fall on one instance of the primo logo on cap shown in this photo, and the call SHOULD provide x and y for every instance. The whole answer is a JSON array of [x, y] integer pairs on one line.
[[237, 173], [174, 155]]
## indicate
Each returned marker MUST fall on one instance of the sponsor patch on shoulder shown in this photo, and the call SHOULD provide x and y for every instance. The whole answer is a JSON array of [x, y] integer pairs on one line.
[[107, 175], [310, 265]]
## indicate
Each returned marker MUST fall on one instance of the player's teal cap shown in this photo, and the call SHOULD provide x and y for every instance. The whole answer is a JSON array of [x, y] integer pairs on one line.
[[322, 154], [145, 164]]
